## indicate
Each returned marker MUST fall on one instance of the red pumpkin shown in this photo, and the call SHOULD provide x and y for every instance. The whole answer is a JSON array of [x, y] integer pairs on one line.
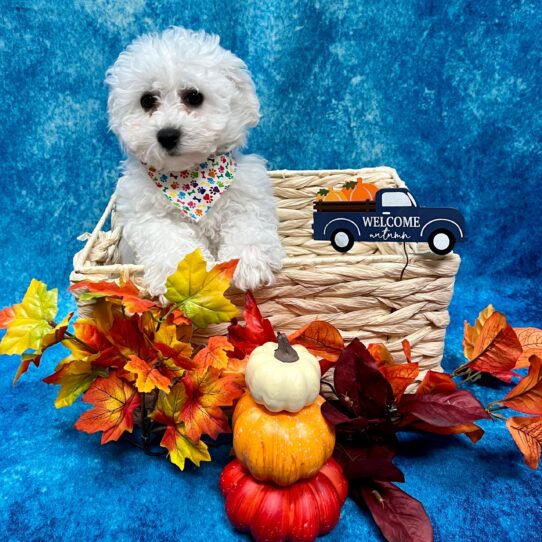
[[272, 513]]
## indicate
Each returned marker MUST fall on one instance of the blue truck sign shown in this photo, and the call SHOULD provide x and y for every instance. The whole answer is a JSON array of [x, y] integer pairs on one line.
[[394, 216]]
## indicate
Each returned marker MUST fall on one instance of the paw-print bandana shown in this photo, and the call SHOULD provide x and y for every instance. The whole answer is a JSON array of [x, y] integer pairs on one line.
[[194, 191]]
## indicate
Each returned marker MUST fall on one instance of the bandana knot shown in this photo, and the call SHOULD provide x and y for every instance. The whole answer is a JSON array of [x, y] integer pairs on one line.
[[194, 191]]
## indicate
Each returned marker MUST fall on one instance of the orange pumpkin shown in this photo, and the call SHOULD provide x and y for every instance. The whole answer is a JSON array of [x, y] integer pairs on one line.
[[359, 191], [282, 447], [334, 195]]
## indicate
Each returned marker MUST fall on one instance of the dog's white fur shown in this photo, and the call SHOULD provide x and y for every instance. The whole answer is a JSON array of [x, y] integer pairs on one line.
[[242, 223]]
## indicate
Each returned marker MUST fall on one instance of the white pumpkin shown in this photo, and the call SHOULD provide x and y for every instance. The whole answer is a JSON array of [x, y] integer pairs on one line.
[[283, 377]]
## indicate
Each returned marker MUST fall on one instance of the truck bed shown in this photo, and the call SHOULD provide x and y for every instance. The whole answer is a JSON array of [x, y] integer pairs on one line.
[[344, 206]]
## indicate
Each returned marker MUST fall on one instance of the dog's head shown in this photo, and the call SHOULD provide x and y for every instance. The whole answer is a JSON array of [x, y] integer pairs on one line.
[[178, 97]]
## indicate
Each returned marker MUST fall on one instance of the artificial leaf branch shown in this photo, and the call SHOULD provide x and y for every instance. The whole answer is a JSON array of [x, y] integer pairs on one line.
[[133, 360]]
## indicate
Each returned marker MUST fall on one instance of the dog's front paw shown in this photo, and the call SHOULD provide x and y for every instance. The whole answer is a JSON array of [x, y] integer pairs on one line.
[[253, 269]]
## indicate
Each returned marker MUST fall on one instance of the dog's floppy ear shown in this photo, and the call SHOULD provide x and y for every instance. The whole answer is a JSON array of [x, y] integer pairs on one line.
[[244, 102]]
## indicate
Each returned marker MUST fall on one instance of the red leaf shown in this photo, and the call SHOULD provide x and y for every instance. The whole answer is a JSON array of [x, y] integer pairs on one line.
[[400, 517], [443, 409], [256, 331], [369, 463], [527, 395], [360, 386], [527, 434], [321, 339]]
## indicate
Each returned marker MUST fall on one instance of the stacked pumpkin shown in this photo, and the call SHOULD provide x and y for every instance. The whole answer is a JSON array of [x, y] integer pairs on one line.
[[284, 485]]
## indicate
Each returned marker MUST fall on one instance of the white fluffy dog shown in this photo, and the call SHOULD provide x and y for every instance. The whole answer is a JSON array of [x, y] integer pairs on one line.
[[181, 105]]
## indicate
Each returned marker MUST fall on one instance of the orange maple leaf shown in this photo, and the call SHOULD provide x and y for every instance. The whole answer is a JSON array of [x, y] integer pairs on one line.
[[215, 354], [526, 396], [202, 393], [531, 342], [114, 403], [527, 434], [320, 338], [127, 294], [148, 377]]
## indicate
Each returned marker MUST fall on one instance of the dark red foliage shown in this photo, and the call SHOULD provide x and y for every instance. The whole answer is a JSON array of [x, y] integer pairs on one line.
[[399, 516]]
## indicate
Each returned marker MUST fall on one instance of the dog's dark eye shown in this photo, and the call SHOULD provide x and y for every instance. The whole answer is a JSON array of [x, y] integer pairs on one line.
[[148, 101], [193, 98]]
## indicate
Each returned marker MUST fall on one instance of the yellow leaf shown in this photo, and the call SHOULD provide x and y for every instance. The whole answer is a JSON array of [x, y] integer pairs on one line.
[[200, 293], [30, 321], [473, 332]]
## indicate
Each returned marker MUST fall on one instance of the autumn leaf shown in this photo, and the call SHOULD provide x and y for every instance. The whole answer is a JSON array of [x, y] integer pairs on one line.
[[256, 331], [407, 349], [74, 378], [443, 409], [367, 462], [399, 516], [530, 339], [203, 392], [496, 349], [200, 293], [471, 333], [527, 434], [28, 322], [471, 430], [526, 396], [321, 339], [114, 403], [175, 440], [215, 354], [400, 376], [54, 336], [360, 386], [127, 293], [381, 354], [236, 369], [6, 316], [148, 377], [434, 382]]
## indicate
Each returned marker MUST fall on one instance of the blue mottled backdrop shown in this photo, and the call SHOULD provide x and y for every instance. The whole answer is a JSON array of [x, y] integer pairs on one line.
[[447, 92]]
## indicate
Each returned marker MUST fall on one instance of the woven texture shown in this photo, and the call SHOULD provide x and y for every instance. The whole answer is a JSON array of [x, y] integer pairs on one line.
[[378, 292]]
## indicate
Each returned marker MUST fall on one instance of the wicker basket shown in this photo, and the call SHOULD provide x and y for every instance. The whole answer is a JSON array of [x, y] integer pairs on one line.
[[378, 292]]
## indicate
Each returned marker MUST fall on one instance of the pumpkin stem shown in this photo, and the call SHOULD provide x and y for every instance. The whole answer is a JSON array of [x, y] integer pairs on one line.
[[285, 352]]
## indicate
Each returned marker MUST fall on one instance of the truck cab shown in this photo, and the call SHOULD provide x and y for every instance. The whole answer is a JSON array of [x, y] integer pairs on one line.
[[394, 216]]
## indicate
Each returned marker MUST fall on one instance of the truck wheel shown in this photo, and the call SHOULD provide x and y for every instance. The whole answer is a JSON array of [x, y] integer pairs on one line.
[[441, 242], [342, 240]]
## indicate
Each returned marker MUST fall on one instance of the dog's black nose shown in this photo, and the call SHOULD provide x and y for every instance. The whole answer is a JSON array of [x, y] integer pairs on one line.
[[168, 137]]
